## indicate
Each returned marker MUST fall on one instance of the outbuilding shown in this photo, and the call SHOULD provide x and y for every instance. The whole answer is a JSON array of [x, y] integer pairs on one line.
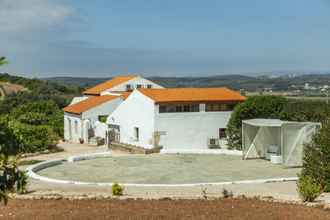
[[279, 141]]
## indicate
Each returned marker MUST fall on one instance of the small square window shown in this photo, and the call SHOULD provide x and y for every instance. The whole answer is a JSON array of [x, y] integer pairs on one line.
[[149, 86], [138, 86], [222, 133], [128, 87]]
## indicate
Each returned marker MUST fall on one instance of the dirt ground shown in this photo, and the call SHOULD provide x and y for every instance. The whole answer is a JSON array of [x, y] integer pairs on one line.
[[158, 209]]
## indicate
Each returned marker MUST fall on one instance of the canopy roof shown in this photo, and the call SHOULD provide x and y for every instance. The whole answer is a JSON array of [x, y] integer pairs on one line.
[[262, 122]]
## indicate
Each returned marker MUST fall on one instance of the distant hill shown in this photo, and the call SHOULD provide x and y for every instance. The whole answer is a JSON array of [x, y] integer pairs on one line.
[[249, 83]]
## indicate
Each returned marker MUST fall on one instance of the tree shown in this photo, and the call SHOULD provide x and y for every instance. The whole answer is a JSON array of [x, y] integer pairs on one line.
[[3, 61], [316, 160], [253, 107], [11, 178]]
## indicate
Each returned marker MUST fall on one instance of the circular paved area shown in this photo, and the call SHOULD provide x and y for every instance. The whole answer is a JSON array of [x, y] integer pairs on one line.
[[167, 169]]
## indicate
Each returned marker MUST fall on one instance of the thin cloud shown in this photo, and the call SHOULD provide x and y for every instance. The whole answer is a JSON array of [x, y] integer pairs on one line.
[[28, 15]]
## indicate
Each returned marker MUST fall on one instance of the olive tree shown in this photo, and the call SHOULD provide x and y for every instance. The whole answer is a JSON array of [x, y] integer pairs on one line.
[[12, 179]]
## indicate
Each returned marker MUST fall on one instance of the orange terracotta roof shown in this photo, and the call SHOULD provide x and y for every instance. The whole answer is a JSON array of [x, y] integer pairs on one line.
[[96, 90], [89, 103], [124, 95], [193, 95]]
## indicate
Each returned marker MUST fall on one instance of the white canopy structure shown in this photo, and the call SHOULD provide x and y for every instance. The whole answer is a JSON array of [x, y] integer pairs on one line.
[[270, 138]]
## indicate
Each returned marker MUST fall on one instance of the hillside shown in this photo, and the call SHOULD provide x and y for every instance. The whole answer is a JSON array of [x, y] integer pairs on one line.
[[249, 83], [7, 88]]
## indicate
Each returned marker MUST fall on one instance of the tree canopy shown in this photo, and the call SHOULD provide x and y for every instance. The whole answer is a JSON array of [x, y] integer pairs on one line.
[[3, 61]]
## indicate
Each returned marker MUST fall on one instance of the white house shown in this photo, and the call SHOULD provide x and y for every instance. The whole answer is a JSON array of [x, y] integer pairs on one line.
[[179, 118], [82, 116]]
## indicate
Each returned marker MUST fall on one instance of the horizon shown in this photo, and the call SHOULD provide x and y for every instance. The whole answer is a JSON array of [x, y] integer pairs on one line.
[[57, 38]]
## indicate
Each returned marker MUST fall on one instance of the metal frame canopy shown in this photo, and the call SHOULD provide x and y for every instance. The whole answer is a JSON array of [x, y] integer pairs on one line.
[[258, 135]]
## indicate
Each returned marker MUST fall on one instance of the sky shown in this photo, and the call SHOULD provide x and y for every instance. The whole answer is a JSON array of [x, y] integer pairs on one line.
[[102, 38]]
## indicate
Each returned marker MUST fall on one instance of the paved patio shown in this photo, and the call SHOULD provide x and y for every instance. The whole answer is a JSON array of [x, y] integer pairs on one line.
[[279, 190]]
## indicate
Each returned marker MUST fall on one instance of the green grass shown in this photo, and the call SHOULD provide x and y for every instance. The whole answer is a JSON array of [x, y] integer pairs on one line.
[[28, 162]]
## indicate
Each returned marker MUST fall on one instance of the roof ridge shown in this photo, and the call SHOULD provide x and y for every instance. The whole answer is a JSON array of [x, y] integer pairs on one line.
[[89, 103], [115, 81]]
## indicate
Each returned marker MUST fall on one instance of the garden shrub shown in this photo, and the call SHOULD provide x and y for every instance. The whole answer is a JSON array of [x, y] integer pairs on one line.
[[12, 179], [117, 190], [306, 110], [316, 160], [33, 138], [253, 107], [227, 194], [308, 188]]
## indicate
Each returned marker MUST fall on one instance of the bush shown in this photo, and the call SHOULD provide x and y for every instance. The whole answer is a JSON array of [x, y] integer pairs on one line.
[[117, 190], [33, 138], [306, 110], [11, 178], [227, 194], [316, 159], [308, 189], [253, 107]]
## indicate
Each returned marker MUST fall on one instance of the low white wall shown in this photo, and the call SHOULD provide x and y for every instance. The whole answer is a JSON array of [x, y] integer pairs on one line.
[[100, 129], [189, 130]]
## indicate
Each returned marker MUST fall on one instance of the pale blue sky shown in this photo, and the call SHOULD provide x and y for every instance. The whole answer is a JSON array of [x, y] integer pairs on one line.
[[166, 38]]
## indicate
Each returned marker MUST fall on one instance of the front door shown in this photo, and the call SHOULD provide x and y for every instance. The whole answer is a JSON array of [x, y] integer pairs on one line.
[[113, 134]]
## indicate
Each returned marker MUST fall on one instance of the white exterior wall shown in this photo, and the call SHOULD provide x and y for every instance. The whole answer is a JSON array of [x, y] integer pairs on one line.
[[189, 130], [136, 111], [86, 120], [104, 109], [70, 121], [133, 82], [100, 129]]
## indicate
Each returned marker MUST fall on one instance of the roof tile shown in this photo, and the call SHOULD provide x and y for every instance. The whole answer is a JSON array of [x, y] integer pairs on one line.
[[96, 90], [89, 103], [193, 95]]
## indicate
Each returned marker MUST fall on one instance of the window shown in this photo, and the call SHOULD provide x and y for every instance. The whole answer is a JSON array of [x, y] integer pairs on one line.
[[179, 108], [138, 86], [76, 127], [103, 118], [128, 87], [222, 133], [162, 108], [149, 86], [136, 133], [218, 107]]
